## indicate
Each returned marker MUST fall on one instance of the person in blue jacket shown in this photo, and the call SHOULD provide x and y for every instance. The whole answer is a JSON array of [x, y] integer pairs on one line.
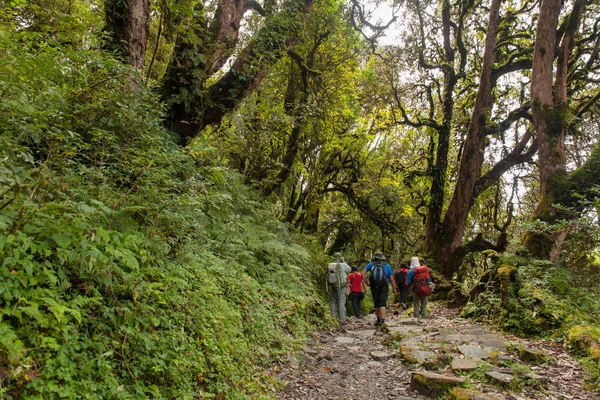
[[380, 285]]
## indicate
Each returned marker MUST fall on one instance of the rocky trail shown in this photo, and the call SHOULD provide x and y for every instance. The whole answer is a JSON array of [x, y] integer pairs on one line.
[[442, 356]]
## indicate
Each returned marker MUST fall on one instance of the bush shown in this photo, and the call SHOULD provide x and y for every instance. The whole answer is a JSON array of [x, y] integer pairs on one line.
[[131, 268]]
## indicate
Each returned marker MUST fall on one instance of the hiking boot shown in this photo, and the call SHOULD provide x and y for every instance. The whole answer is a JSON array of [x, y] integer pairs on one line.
[[378, 322]]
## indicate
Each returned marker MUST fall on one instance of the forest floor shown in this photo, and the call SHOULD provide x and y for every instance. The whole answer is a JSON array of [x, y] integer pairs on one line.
[[362, 361]]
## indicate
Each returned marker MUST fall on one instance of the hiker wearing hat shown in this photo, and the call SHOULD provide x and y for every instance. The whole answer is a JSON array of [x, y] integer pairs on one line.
[[337, 274], [380, 276]]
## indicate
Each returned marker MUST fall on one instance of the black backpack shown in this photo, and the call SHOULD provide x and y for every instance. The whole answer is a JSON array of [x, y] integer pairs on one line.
[[400, 277], [378, 278]]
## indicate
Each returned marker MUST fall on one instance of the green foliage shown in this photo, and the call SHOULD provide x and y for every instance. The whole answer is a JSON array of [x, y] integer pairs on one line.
[[130, 268]]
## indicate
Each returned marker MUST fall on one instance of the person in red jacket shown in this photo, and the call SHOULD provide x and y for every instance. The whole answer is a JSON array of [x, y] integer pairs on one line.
[[419, 280], [357, 288]]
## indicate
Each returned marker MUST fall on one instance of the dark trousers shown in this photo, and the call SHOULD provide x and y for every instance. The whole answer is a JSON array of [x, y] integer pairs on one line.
[[355, 299], [403, 289]]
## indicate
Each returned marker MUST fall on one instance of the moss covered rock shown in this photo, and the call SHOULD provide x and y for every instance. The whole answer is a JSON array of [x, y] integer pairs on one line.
[[434, 385], [584, 339]]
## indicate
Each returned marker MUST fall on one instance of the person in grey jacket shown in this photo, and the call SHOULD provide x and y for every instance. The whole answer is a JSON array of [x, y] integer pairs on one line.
[[336, 282]]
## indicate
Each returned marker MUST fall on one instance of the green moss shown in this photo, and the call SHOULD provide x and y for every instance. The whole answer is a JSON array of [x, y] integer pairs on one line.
[[582, 337], [463, 394]]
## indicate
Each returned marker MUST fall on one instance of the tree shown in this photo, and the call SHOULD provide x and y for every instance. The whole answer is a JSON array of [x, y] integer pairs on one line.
[[550, 110]]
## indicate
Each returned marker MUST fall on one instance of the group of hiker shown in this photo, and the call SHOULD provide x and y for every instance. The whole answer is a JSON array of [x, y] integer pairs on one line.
[[344, 282]]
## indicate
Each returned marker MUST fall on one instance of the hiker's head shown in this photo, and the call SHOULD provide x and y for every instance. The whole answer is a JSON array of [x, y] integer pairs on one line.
[[337, 256], [378, 256], [414, 262], [404, 264], [354, 269]]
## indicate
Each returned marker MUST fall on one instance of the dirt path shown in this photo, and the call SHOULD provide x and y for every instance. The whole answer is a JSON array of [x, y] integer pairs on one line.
[[361, 361]]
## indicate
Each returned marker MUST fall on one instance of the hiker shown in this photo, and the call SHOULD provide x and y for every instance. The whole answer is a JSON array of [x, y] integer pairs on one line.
[[418, 280], [337, 273], [401, 284], [381, 275], [357, 288]]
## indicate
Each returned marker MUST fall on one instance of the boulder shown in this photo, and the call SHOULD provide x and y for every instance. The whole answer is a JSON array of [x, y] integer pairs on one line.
[[434, 385]]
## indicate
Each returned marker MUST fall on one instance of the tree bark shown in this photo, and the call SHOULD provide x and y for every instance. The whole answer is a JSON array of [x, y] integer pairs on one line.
[[127, 22], [192, 106], [454, 222], [549, 110], [440, 168]]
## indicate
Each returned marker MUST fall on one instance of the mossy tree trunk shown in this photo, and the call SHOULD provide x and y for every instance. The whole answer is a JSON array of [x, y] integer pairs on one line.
[[549, 109], [127, 22], [452, 229]]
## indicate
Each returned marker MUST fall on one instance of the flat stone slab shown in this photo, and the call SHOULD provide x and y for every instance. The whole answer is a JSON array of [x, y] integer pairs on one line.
[[473, 351], [493, 342], [529, 354], [366, 334], [538, 378], [408, 321], [467, 394], [500, 377], [405, 330], [462, 364], [375, 364], [381, 355], [434, 385], [345, 340]]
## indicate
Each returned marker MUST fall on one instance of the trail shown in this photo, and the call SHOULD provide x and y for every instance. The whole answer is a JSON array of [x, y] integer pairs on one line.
[[361, 361]]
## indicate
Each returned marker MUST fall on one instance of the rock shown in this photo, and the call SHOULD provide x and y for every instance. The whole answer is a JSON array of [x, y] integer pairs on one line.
[[473, 351], [416, 356], [493, 342], [374, 364], [461, 364], [354, 349], [538, 378], [467, 394], [345, 340], [381, 355], [530, 355], [434, 385], [294, 362], [500, 378], [408, 321], [405, 330], [366, 334], [310, 351]]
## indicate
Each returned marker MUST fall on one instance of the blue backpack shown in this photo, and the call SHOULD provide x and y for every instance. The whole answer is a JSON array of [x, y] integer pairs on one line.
[[378, 278]]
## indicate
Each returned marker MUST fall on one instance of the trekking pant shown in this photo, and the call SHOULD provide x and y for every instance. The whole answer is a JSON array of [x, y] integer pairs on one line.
[[403, 289], [420, 306], [337, 302], [355, 299]]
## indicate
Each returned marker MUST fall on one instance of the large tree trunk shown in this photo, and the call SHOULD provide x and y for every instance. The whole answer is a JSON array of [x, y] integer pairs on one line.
[[453, 226], [127, 22], [192, 106], [440, 168], [549, 106]]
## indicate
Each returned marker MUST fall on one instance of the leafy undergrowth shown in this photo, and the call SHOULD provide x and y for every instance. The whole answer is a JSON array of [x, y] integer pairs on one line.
[[544, 299], [130, 268]]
